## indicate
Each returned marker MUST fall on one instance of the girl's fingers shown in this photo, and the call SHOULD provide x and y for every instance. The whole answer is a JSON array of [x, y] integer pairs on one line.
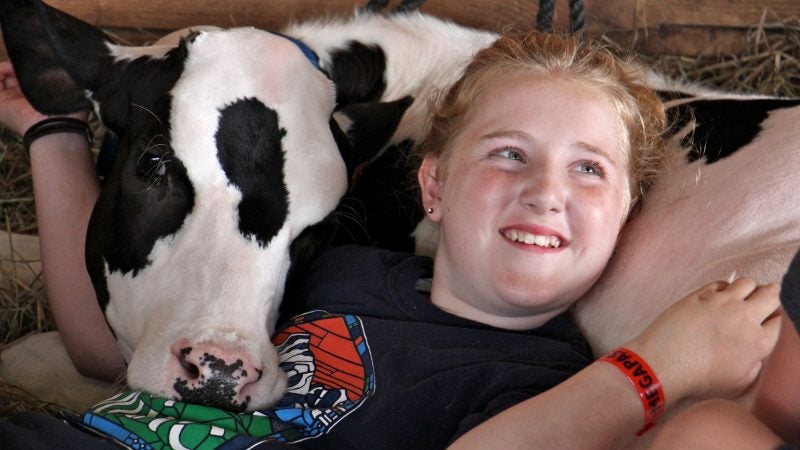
[[772, 330], [711, 288], [11, 82], [742, 287], [766, 300], [6, 69]]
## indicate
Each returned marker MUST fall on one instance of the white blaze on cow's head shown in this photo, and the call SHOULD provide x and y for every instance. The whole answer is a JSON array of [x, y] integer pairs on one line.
[[227, 158]]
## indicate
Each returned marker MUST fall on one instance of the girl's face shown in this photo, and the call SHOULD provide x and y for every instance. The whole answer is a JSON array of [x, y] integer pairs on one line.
[[530, 203]]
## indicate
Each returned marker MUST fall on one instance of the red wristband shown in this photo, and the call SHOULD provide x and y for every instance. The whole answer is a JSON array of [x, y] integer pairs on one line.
[[644, 380]]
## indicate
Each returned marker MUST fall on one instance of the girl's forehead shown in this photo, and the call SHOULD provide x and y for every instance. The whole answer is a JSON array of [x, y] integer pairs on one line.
[[538, 103]]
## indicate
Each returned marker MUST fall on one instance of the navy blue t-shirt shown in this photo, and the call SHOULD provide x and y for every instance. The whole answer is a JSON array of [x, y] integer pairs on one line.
[[434, 375], [373, 364]]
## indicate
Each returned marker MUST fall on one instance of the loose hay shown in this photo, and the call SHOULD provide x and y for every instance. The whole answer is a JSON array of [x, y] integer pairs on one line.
[[14, 400], [23, 306], [15, 183], [769, 65]]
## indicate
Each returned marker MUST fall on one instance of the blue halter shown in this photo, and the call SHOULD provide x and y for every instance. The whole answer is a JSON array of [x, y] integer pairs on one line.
[[312, 57]]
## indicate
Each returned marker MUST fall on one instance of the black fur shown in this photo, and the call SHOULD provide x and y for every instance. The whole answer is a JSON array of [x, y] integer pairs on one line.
[[790, 291], [55, 79], [250, 150], [382, 207], [359, 73], [723, 126]]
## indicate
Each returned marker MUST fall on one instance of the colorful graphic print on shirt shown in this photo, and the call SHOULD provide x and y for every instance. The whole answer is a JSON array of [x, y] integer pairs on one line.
[[330, 373]]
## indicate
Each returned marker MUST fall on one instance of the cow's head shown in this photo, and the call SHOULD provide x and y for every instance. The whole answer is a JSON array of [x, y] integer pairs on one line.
[[228, 159]]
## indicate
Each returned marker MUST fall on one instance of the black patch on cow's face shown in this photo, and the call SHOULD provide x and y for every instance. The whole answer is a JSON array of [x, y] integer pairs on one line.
[[724, 125], [147, 195], [358, 71], [251, 154]]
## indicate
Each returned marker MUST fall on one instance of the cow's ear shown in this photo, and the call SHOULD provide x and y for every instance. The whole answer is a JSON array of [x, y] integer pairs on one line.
[[56, 57], [363, 129]]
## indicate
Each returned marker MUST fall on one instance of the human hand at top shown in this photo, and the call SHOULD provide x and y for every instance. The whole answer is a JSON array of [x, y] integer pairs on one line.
[[713, 341], [16, 113]]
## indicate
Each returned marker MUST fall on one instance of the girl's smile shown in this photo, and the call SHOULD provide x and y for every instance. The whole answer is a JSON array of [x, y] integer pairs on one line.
[[534, 237]]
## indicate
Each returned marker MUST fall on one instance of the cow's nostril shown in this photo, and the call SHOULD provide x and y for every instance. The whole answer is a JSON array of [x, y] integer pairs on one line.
[[191, 369]]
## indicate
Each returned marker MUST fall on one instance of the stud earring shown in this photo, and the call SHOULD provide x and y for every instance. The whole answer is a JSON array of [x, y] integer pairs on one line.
[[430, 210]]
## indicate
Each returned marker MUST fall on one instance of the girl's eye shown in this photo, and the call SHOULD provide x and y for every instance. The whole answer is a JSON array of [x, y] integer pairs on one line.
[[590, 168], [510, 153]]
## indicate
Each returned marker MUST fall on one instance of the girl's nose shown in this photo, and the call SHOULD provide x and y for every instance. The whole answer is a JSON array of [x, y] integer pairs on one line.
[[545, 191]]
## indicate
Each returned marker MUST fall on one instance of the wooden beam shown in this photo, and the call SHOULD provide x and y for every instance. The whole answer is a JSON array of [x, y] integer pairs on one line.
[[632, 14], [610, 15], [157, 14], [683, 27]]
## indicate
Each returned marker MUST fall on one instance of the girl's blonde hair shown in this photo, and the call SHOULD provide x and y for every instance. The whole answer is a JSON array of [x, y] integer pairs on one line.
[[640, 110]]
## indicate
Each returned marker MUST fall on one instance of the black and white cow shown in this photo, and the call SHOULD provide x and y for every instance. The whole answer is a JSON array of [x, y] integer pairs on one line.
[[192, 238], [228, 163]]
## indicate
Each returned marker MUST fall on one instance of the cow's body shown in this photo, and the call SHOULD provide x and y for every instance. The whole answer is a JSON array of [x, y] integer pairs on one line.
[[733, 217], [206, 280]]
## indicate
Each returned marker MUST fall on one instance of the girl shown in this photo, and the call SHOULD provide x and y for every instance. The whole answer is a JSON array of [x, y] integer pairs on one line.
[[534, 161]]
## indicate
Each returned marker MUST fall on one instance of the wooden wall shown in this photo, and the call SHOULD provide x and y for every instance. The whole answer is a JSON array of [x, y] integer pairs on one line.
[[686, 27]]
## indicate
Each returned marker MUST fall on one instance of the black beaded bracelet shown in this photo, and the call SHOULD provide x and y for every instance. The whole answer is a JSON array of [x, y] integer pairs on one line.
[[54, 125]]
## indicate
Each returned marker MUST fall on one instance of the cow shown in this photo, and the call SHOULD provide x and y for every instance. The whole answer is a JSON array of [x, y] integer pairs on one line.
[[722, 207], [235, 147]]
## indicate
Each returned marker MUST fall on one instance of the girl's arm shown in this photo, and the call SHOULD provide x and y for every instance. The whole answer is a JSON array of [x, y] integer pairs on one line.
[[710, 344], [65, 189]]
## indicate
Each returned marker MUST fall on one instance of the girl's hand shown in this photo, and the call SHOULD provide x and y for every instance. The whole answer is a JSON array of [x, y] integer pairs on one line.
[[16, 113], [713, 341]]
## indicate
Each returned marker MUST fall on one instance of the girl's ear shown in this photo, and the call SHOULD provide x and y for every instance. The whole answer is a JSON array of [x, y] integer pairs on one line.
[[429, 185]]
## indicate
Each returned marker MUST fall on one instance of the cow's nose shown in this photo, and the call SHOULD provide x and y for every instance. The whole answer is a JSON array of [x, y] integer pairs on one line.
[[217, 376]]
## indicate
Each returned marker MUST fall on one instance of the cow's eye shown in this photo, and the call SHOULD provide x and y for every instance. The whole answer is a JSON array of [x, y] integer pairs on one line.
[[152, 166]]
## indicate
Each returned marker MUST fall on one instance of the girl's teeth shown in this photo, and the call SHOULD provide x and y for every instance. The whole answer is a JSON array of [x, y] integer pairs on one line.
[[533, 239]]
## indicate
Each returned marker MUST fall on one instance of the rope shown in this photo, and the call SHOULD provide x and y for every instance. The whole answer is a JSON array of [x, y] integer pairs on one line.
[[577, 19], [408, 6], [547, 8], [375, 5], [405, 6], [544, 17]]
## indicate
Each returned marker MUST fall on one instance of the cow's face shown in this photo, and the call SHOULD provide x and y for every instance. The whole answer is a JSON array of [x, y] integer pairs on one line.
[[227, 153], [218, 173]]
